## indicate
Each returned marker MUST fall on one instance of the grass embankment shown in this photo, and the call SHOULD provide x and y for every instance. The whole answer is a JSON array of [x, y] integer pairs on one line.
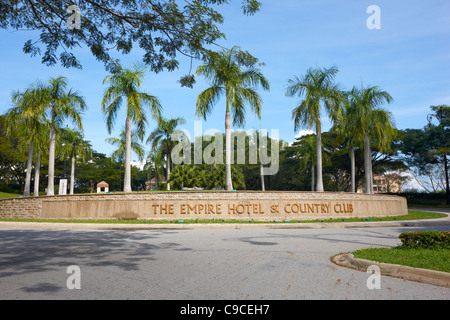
[[418, 249], [413, 215], [433, 259]]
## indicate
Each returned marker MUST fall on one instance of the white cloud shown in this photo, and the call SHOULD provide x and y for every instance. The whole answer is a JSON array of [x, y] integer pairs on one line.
[[304, 133]]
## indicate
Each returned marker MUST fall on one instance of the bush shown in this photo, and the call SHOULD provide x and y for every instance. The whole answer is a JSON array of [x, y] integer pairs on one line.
[[426, 239]]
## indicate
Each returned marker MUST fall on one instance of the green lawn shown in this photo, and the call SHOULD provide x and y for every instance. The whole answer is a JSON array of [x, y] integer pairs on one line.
[[4, 195], [433, 259]]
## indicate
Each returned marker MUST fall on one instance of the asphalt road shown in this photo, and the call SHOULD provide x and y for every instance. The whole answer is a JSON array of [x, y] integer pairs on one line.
[[198, 264]]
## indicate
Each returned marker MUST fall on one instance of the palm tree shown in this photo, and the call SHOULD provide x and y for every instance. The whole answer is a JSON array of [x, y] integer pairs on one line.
[[119, 154], [162, 136], [155, 161], [124, 85], [316, 87], [76, 147], [344, 129], [227, 77], [189, 176], [41, 148], [59, 104], [371, 122], [27, 119]]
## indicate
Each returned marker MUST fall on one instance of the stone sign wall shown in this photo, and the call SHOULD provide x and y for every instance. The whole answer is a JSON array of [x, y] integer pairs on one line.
[[259, 206]]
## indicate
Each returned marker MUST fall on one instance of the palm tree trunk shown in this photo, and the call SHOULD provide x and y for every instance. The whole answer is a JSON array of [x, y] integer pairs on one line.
[[263, 187], [228, 181], [127, 178], [352, 170], [26, 191], [368, 165], [37, 169], [72, 175], [51, 162], [319, 186], [168, 171], [313, 177]]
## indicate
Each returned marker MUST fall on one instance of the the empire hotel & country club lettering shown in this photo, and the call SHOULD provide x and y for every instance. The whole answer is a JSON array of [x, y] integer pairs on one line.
[[250, 208]]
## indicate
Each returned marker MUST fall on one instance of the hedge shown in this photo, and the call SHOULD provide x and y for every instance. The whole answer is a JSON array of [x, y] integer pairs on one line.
[[426, 239]]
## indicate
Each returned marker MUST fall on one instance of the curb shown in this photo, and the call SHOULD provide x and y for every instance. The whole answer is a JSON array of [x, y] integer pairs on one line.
[[190, 226], [436, 278]]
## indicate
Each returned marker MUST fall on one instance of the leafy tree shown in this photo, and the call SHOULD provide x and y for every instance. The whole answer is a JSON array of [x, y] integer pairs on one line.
[[164, 30], [318, 89], [12, 159], [426, 150], [125, 85], [188, 176], [231, 73]]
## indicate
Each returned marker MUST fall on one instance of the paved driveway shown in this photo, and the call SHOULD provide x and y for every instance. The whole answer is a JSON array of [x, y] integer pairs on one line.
[[198, 264]]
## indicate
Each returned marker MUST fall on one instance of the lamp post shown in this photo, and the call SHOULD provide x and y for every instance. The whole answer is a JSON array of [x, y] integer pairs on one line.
[[439, 117]]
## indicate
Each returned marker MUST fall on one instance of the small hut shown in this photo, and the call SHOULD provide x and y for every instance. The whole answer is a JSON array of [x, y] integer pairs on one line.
[[102, 187]]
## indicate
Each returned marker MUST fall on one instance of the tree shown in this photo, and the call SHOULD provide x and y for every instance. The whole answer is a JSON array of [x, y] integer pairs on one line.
[[119, 154], [125, 85], [162, 136], [426, 150], [344, 129], [58, 104], [162, 29], [155, 161], [370, 121], [188, 176], [231, 73], [12, 159], [28, 121], [442, 138], [319, 91], [76, 147]]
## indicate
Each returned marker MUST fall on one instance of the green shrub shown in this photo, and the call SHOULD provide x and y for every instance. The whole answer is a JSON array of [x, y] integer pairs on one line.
[[426, 239]]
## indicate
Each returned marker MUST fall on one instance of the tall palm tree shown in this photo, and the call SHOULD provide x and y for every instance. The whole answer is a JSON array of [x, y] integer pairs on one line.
[[371, 122], [162, 136], [41, 148], [59, 105], [76, 147], [344, 129], [231, 74], [318, 89], [125, 85], [119, 154], [27, 119]]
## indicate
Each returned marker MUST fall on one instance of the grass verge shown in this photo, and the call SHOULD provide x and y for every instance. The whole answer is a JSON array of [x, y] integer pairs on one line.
[[5, 195], [412, 215], [432, 259]]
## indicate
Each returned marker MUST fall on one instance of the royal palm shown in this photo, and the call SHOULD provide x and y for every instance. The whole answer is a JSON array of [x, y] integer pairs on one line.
[[26, 119], [124, 88], [77, 148], [57, 104], [231, 74], [370, 122], [318, 91]]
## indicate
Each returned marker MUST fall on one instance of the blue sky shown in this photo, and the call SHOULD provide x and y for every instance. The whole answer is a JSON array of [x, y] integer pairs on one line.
[[409, 57]]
